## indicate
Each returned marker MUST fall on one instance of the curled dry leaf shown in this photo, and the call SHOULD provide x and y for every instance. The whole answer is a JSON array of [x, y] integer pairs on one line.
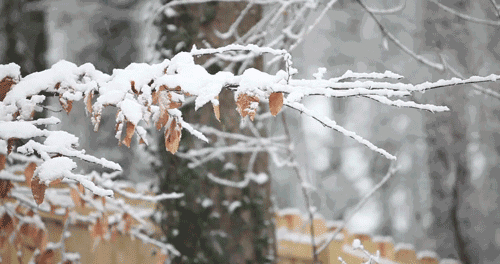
[[5, 86], [173, 136], [216, 109], [88, 101], [11, 142], [275, 103], [173, 104], [66, 104], [129, 132], [7, 224], [5, 186], [246, 105], [3, 159], [41, 239], [29, 172], [128, 222], [162, 121], [132, 87], [96, 120], [38, 190], [75, 196], [154, 97]]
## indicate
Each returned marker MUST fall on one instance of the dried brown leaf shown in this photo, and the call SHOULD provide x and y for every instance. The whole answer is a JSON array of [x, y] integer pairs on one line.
[[162, 121], [173, 137], [244, 105], [275, 103], [55, 182], [66, 104], [3, 159], [216, 109], [11, 142], [132, 86], [38, 190], [128, 134], [28, 172], [7, 224], [5, 186], [41, 239], [88, 101], [75, 196], [128, 222], [154, 97], [5, 86], [173, 104]]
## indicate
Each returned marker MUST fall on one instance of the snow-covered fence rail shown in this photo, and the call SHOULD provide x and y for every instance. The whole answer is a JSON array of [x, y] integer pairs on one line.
[[294, 243]]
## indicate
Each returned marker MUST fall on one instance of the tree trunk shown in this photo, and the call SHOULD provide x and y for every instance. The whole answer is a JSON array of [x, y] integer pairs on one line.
[[201, 225]]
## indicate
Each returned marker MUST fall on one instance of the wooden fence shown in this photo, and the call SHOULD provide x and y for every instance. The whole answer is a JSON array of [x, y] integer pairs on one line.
[[292, 232], [294, 244]]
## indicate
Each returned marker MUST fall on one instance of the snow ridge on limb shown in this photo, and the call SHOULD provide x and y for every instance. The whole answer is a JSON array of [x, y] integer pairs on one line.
[[154, 93]]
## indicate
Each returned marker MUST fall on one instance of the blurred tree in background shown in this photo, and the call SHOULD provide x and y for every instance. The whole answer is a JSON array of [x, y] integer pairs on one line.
[[212, 223]]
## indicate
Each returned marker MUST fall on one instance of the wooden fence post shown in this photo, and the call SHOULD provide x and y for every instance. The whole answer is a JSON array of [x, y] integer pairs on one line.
[[405, 254], [427, 257], [385, 245]]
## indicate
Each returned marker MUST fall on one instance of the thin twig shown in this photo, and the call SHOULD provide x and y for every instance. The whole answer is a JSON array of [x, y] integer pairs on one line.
[[304, 190], [496, 7], [358, 206], [386, 33], [467, 17], [388, 11]]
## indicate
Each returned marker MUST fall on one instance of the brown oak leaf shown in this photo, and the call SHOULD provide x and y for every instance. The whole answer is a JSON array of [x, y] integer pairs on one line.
[[173, 137], [29, 172], [5, 186], [129, 132], [11, 142], [5, 86], [3, 159], [275, 103], [38, 190]]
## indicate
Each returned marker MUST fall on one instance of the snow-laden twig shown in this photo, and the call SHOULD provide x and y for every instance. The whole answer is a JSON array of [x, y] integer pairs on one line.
[[31, 146], [477, 87], [148, 240], [333, 125]]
